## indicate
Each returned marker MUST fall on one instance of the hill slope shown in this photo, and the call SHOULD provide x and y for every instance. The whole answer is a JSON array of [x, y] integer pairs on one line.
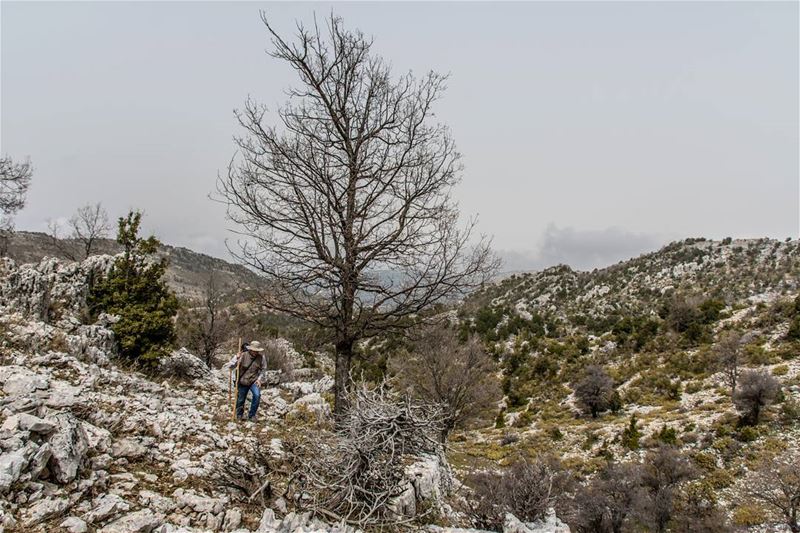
[[187, 274], [655, 325]]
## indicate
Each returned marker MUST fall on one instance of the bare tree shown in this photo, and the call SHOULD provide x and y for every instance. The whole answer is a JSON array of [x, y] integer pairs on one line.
[[346, 205], [15, 178], [777, 484], [528, 489], [89, 224], [662, 473], [609, 501], [757, 389], [205, 329], [459, 376], [595, 390], [728, 353], [63, 246]]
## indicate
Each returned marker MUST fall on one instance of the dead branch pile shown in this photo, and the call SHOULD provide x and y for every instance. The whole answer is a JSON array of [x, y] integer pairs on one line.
[[354, 475], [245, 474]]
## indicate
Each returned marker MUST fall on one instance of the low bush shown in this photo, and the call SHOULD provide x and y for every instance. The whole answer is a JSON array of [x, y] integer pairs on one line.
[[757, 389], [749, 514], [667, 435], [631, 435], [595, 390], [527, 489]]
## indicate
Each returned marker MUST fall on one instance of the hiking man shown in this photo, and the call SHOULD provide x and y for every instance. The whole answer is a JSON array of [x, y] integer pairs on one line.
[[252, 364]]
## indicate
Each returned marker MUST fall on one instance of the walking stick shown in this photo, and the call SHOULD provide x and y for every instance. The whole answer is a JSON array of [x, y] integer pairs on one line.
[[231, 398]]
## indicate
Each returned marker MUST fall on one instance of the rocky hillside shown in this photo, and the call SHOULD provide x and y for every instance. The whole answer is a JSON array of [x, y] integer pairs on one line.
[[655, 325], [187, 274], [88, 443], [734, 271]]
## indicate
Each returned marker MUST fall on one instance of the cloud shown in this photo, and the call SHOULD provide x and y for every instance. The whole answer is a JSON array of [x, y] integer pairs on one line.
[[582, 249]]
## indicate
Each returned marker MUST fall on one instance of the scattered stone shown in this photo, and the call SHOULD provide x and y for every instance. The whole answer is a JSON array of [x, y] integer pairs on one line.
[[40, 460], [155, 501], [198, 503], [232, 520], [23, 382], [128, 448], [34, 424], [142, 521], [45, 509], [549, 524], [69, 446], [11, 465], [105, 507], [74, 524]]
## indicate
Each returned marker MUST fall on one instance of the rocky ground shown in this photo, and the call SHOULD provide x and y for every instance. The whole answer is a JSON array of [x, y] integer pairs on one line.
[[90, 444]]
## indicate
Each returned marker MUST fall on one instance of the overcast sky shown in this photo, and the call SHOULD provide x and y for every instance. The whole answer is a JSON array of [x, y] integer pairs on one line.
[[591, 132]]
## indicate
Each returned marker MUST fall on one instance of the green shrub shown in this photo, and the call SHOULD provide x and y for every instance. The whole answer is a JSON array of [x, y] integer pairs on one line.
[[749, 515], [780, 370], [555, 434], [756, 355], [135, 291], [705, 460], [667, 435], [635, 332], [693, 386], [591, 440], [656, 381], [794, 329], [631, 435], [747, 434], [719, 478], [727, 448]]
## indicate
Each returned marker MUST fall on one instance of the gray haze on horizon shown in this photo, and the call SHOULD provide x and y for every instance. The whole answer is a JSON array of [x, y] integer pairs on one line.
[[591, 132]]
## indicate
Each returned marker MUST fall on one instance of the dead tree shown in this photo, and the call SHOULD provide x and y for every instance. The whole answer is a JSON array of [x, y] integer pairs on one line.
[[15, 178], [757, 390], [346, 203], [89, 224], [777, 484], [206, 328], [461, 377], [595, 390], [729, 357], [59, 242]]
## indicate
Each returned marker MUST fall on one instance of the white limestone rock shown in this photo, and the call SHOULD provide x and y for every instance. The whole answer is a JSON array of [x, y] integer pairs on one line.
[[69, 446], [105, 507], [73, 524], [142, 521], [44, 509]]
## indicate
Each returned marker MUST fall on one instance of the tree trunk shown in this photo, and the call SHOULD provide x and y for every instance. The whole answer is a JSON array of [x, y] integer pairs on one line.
[[344, 354]]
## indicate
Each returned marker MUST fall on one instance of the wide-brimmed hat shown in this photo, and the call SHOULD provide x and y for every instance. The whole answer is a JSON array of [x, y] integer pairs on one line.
[[255, 346]]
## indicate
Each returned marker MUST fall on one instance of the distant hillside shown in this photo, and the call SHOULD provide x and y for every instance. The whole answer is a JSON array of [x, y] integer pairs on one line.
[[665, 331], [188, 271], [732, 270]]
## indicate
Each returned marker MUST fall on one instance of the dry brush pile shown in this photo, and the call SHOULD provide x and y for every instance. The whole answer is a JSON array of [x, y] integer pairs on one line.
[[355, 472]]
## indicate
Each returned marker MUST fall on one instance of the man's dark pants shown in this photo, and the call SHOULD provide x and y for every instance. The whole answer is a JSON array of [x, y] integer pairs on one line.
[[242, 396]]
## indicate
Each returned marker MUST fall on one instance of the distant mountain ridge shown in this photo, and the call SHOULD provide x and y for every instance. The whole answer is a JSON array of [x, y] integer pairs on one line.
[[732, 270], [187, 274]]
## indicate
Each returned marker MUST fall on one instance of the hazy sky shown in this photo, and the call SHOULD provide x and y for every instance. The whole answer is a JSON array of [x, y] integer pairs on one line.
[[590, 131]]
